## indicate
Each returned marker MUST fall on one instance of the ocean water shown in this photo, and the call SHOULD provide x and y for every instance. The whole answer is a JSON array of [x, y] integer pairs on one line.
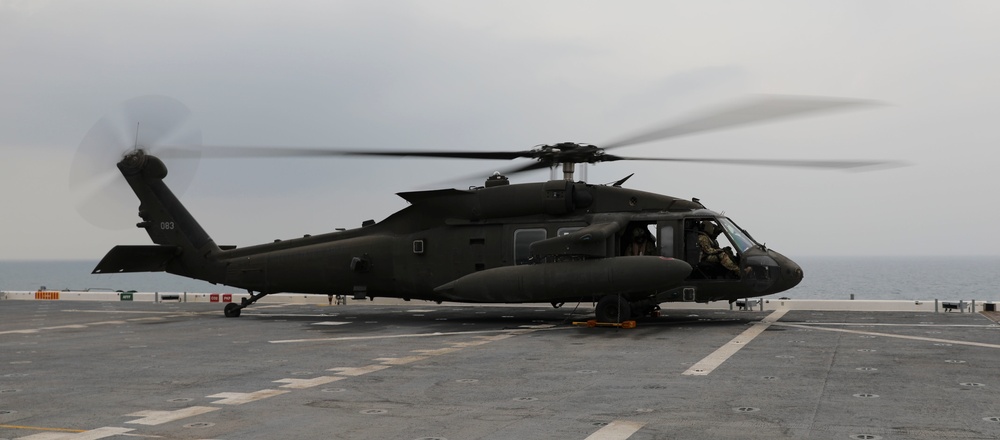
[[902, 278], [75, 275]]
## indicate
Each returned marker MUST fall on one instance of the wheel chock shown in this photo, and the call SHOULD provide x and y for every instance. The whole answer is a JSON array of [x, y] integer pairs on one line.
[[593, 323]]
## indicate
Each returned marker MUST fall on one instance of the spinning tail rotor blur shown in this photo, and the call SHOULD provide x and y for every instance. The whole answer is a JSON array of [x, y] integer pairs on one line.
[[148, 123]]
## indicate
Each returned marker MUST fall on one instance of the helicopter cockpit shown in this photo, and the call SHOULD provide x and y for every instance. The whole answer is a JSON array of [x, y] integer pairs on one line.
[[718, 250], [715, 247]]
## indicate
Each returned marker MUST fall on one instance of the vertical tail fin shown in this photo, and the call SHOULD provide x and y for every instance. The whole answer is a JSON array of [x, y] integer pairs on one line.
[[184, 247]]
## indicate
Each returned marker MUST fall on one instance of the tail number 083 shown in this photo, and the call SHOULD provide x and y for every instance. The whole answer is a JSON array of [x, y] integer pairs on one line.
[[166, 225]]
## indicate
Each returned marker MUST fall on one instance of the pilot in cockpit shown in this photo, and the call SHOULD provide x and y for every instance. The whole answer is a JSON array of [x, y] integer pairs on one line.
[[710, 251]]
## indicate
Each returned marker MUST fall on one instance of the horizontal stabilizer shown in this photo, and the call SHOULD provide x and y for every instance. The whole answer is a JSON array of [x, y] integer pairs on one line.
[[136, 259]]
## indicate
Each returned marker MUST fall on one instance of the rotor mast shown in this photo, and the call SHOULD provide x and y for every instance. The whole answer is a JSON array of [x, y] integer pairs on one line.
[[568, 169]]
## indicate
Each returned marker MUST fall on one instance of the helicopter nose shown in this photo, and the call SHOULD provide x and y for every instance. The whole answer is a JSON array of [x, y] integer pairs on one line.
[[795, 273], [791, 272]]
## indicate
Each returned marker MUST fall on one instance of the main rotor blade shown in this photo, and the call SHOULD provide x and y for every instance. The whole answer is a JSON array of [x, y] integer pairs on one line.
[[827, 164], [758, 110], [480, 177], [523, 168], [277, 152]]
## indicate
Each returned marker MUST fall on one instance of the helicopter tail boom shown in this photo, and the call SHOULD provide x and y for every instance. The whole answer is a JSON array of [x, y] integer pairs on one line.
[[182, 246]]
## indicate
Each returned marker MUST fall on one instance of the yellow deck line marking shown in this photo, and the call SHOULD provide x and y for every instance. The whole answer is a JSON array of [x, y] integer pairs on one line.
[[889, 335], [616, 430], [39, 428], [705, 366]]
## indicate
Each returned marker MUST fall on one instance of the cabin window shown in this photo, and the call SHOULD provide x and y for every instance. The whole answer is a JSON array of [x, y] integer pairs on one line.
[[667, 241], [522, 242], [639, 239]]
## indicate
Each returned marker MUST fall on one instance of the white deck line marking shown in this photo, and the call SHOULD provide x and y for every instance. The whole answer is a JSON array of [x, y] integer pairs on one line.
[[291, 315], [153, 418], [507, 333], [23, 332], [241, 398], [136, 312], [889, 335], [151, 318], [299, 384], [46, 436], [705, 366], [402, 360], [108, 323], [470, 344], [93, 434], [875, 324], [331, 323], [271, 306], [616, 430], [357, 371], [437, 352], [503, 336], [141, 435]]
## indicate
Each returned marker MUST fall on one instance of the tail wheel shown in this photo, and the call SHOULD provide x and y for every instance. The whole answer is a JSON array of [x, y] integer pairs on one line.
[[232, 310], [613, 308]]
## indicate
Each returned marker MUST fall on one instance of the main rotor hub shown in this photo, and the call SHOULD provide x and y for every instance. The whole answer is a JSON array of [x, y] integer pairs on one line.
[[568, 153]]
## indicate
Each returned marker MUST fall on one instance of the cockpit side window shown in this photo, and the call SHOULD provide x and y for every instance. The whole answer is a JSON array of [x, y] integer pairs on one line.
[[741, 239]]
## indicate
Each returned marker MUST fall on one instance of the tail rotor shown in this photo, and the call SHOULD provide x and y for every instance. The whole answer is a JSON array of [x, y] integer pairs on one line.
[[151, 123]]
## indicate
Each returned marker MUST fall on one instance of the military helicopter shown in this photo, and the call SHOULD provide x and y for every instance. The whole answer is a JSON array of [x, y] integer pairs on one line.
[[559, 241]]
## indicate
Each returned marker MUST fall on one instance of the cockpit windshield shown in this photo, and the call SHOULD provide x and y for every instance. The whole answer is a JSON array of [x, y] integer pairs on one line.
[[740, 237]]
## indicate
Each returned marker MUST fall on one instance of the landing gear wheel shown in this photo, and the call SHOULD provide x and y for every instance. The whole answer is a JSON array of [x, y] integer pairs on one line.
[[613, 308], [232, 310]]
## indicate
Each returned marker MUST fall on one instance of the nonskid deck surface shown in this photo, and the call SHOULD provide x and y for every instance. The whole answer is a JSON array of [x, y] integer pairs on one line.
[[90, 370]]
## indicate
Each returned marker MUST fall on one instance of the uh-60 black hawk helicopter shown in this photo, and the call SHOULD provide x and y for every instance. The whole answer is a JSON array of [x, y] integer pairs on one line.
[[560, 241]]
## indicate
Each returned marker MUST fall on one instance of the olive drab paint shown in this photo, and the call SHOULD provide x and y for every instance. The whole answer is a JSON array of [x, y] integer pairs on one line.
[[550, 242]]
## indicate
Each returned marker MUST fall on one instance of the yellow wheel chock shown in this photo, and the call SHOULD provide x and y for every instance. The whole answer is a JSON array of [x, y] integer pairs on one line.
[[593, 323]]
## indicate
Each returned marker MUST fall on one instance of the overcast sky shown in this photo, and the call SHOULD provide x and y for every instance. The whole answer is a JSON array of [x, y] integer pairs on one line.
[[507, 76]]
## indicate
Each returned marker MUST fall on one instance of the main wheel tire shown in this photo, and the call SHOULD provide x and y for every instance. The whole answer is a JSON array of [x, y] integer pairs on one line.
[[232, 310], [613, 308]]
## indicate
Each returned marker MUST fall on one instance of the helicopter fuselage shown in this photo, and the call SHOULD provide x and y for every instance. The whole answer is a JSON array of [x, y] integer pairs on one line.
[[552, 242]]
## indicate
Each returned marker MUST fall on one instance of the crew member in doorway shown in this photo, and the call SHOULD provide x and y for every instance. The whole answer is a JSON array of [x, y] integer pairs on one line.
[[643, 243], [710, 251]]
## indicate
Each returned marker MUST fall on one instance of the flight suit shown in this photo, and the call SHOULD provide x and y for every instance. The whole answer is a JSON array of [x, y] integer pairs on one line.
[[711, 253]]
